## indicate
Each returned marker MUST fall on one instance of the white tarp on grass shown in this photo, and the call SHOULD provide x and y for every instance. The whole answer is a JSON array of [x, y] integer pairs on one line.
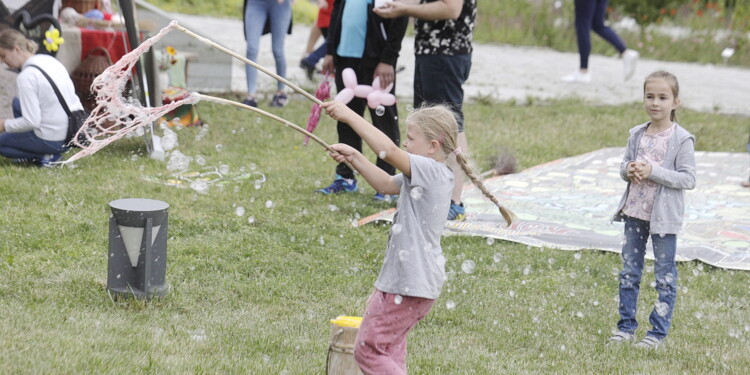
[[567, 204]]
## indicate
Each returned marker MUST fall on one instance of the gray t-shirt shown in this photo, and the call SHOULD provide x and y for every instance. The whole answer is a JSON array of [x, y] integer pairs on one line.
[[414, 264]]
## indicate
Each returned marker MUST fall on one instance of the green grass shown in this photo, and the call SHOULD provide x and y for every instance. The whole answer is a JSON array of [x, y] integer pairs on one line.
[[256, 298]]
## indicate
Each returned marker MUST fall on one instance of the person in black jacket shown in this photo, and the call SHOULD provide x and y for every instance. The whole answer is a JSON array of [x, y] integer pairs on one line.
[[369, 44]]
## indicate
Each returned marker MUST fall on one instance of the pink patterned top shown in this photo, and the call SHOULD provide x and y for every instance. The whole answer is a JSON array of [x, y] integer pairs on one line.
[[651, 149]]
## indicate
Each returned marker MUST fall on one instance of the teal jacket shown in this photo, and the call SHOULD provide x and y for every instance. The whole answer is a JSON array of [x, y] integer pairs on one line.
[[676, 175]]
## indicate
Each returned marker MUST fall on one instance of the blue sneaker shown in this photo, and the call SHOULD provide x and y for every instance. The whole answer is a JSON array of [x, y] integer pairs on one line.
[[340, 185], [49, 160], [456, 212], [25, 161], [250, 102], [385, 198]]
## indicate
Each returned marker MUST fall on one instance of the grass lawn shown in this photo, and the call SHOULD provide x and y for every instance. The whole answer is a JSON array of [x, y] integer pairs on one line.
[[253, 293]]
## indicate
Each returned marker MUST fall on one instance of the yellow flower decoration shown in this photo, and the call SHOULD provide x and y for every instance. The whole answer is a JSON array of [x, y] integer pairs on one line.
[[171, 51], [53, 40]]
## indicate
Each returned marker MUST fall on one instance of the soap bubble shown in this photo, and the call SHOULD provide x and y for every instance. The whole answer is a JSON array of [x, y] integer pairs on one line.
[[250, 219], [490, 240], [224, 169], [381, 154], [219, 147], [200, 160], [416, 193], [468, 266], [450, 305], [661, 308], [240, 211], [380, 110], [269, 204], [497, 257], [200, 186], [396, 228], [397, 299]]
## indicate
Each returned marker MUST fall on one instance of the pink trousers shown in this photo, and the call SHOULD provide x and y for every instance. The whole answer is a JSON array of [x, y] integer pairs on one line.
[[380, 347]]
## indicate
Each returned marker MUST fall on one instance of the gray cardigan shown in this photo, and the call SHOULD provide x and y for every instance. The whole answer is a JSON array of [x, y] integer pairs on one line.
[[674, 176]]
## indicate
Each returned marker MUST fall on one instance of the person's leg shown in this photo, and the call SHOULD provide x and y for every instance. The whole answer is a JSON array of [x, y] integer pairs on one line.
[[633, 253], [380, 346], [665, 272], [346, 134], [27, 145], [255, 17], [281, 16], [584, 13], [315, 34], [597, 24], [387, 122], [16, 105]]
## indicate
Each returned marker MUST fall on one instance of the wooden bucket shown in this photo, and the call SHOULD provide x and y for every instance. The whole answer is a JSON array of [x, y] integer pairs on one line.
[[341, 350]]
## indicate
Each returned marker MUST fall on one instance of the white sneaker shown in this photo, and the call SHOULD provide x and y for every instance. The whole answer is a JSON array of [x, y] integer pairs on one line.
[[629, 58], [577, 77]]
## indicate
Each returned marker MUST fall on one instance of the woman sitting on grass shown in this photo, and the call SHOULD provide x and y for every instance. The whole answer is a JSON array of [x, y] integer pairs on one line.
[[37, 133]]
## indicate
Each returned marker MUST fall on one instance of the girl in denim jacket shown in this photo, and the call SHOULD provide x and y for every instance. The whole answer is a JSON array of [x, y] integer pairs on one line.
[[659, 164]]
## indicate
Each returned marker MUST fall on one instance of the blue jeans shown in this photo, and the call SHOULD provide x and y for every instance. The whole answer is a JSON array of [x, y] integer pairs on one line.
[[439, 79], [665, 271], [279, 17], [26, 145]]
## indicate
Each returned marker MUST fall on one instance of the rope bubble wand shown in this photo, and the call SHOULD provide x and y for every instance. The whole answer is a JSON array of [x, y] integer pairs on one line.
[[115, 116]]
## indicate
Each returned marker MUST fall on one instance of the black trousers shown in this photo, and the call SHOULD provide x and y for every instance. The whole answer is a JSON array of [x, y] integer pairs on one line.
[[387, 123]]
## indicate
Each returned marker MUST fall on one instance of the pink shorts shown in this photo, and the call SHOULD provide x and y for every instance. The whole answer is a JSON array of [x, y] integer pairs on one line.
[[380, 347]]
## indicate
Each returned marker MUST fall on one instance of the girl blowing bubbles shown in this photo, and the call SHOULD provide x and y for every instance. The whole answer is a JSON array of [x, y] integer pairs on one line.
[[413, 270], [659, 165]]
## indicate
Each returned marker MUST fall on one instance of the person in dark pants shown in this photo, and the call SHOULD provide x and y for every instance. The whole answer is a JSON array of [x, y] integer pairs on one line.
[[590, 16], [442, 49], [361, 40]]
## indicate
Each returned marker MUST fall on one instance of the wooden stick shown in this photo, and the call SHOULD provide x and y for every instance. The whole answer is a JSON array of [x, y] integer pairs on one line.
[[249, 62], [273, 117]]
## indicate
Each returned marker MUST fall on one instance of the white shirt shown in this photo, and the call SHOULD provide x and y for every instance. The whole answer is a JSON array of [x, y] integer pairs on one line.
[[42, 112]]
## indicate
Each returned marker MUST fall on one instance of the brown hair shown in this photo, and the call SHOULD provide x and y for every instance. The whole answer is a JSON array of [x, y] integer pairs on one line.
[[438, 122], [672, 81], [11, 38]]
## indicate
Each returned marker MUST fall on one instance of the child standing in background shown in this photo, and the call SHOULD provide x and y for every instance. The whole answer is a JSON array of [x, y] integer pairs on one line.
[[659, 165], [413, 270]]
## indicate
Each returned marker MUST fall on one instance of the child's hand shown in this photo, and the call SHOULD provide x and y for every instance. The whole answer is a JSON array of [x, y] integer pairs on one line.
[[343, 153], [339, 111], [633, 174], [644, 170]]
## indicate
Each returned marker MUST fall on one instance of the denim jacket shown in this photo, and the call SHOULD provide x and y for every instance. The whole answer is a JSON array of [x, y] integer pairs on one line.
[[674, 176]]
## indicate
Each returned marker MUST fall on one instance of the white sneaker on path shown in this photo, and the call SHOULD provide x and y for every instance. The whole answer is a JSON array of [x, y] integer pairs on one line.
[[629, 58], [577, 77]]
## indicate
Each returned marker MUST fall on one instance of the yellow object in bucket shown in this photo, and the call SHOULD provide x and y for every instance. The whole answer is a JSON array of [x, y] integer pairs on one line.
[[347, 321], [341, 350]]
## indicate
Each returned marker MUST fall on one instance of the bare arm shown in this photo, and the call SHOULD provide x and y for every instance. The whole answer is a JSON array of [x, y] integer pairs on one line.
[[376, 177], [377, 140], [437, 10]]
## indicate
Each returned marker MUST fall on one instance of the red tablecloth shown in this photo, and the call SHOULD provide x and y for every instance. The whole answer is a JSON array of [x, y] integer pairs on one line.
[[116, 42], [80, 41]]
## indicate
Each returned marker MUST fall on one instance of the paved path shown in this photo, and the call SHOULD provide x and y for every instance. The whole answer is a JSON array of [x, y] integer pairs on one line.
[[505, 72]]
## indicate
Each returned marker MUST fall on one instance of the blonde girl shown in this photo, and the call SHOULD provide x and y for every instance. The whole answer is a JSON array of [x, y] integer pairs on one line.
[[413, 270]]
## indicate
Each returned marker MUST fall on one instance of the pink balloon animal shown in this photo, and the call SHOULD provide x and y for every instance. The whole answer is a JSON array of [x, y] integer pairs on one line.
[[375, 94]]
